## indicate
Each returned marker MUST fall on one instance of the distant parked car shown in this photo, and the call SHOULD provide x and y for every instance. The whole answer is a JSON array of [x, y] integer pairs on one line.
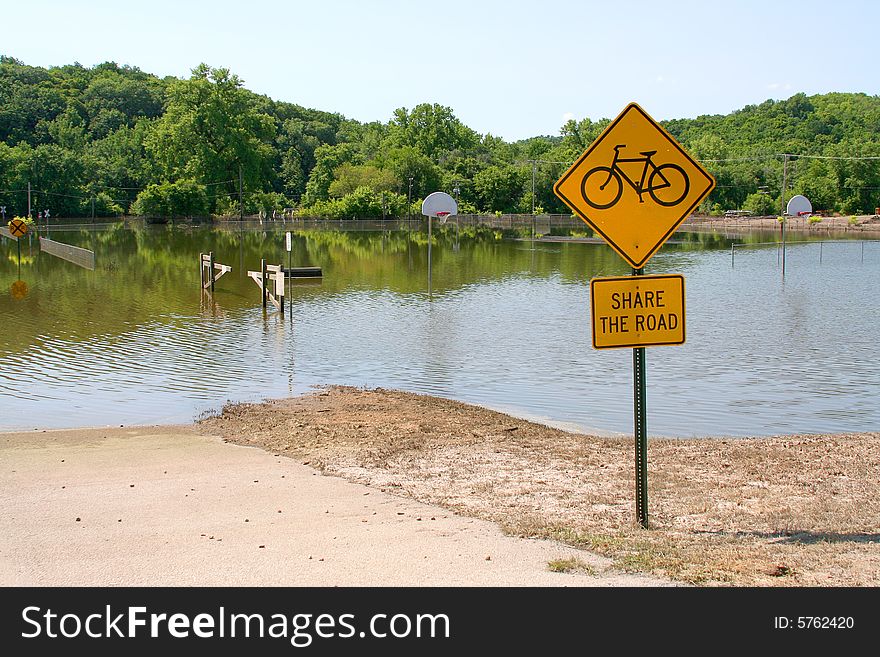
[[737, 213]]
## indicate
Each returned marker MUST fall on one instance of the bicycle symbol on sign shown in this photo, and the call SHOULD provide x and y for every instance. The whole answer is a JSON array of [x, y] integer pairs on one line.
[[667, 184]]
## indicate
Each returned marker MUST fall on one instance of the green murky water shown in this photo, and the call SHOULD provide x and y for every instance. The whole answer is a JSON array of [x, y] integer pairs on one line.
[[499, 322]]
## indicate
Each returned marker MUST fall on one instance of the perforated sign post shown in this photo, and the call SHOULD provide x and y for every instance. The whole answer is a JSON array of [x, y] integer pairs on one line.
[[634, 186]]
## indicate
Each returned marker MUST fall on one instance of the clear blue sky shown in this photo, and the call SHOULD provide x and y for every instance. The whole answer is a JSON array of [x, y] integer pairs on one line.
[[515, 69]]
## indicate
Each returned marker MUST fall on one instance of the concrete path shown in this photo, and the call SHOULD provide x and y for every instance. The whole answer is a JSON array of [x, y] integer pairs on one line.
[[164, 506]]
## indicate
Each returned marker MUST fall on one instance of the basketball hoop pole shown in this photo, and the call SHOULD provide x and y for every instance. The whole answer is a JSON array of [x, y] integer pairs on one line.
[[429, 255], [436, 204]]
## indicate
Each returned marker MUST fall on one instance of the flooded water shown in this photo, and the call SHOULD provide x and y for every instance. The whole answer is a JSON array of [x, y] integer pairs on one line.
[[504, 324]]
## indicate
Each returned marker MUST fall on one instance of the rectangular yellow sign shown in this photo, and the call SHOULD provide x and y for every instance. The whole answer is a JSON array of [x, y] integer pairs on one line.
[[637, 311]]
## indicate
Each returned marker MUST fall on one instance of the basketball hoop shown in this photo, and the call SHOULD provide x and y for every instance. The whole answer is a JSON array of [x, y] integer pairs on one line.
[[440, 205]]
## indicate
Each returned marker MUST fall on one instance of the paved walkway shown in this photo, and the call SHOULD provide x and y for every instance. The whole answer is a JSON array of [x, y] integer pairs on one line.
[[163, 506]]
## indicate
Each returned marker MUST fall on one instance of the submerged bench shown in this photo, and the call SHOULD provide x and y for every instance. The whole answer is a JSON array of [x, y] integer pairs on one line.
[[303, 272]]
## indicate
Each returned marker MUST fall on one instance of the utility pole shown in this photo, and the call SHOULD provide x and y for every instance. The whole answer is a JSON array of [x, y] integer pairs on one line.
[[29, 200], [534, 227], [240, 197], [534, 164], [784, 185], [409, 201], [784, 181]]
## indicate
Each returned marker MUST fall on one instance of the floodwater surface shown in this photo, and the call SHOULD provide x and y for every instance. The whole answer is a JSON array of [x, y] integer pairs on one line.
[[500, 323]]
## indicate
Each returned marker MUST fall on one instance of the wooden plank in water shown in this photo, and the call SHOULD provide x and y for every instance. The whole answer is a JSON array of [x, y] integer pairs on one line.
[[304, 272], [272, 273], [258, 277], [78, 256]]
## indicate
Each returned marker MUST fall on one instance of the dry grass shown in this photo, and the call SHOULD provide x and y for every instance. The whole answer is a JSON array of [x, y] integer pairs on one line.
[[787, 510], [570, 565]]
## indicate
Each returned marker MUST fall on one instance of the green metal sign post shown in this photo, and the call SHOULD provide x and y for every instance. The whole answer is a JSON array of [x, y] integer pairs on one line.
[[640, 423]]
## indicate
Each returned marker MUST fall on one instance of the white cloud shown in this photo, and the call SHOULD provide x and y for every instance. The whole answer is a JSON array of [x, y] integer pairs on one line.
[[777, 86]]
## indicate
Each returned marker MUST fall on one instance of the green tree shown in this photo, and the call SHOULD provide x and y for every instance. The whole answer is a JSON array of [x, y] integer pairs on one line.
[[366, 203], [500, 188], [578, 135], [432, 129], [211, 128], [348, 177], [184, 198], [68, 129], [761, 204], [124, 93], [292, 175], [407, 162], [57, 176], [119, 162], [15, 172], [265, 203], [28, 99], [327, 160], [104, 206]]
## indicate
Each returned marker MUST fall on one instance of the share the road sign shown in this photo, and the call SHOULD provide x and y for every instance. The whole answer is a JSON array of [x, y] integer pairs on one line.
[[637, 311], [634, 185]]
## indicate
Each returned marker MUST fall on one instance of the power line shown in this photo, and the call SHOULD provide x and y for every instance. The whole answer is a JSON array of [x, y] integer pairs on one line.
[[831, 157], [744, 159], [543, 162], [754, 158]]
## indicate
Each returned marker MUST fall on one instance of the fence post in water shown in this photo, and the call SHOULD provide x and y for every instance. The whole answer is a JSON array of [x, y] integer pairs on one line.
[[820, 252], [732, 245], [202, 270], [263, 280], [211, 269]]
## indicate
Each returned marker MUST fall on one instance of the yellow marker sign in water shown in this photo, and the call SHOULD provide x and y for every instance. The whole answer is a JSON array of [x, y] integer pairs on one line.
[[18, 290], [18, 228], [634, 185], [637, 311]]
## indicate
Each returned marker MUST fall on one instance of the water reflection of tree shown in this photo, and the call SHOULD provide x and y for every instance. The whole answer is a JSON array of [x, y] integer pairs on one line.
[[149, 274]]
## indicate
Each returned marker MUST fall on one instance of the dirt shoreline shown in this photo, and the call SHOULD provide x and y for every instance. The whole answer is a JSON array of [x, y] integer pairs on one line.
[[782, 511], [867, 226]]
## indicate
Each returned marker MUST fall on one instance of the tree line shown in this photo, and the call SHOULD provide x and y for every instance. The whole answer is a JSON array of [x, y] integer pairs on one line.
[[111, 140]]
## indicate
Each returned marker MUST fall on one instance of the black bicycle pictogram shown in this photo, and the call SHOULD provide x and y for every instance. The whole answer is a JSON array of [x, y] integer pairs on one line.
[[667, 184]]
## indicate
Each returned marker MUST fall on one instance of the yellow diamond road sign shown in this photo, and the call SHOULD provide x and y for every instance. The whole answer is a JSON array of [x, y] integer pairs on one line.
[[634, 185]]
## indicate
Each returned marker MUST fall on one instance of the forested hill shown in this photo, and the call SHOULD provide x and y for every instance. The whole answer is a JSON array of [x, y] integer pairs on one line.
[[113, 139]]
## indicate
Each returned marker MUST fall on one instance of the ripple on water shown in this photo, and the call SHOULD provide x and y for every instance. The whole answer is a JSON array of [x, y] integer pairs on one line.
[[508, 330]]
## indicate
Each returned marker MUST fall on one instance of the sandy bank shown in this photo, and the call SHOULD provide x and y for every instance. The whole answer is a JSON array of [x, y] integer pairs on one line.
[[786, 510]]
